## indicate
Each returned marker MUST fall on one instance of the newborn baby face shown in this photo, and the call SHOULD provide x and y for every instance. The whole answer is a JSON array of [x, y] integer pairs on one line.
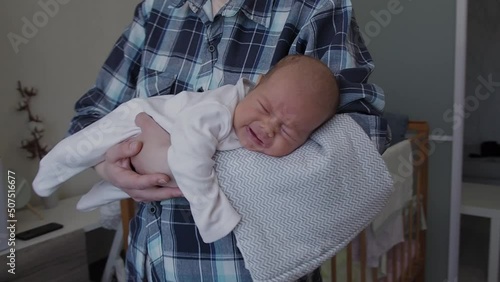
[[277, 117]]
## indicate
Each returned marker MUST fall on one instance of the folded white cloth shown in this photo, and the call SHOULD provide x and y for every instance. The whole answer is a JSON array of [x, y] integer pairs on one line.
[[377, 244], [387, 228], [399, 161]]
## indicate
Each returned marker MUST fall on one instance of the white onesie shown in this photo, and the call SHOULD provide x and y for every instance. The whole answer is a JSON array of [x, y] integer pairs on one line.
[[198, 124]]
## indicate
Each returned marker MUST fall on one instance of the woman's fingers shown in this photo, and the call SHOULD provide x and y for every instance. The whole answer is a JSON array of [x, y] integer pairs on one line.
[[154, 194], [123, 150]]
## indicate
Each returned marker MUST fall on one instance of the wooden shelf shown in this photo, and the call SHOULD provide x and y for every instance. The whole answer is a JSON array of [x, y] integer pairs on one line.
[[64, 213]]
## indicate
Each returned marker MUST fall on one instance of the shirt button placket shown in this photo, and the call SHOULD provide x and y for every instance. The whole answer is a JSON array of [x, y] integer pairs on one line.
[[152, 208], [210, 51]]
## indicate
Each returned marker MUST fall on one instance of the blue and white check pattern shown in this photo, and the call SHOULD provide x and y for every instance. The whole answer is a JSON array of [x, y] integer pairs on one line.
[[172, 46]]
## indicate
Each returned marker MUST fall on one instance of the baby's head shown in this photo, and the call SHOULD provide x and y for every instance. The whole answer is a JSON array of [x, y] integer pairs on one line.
[[293, 99]]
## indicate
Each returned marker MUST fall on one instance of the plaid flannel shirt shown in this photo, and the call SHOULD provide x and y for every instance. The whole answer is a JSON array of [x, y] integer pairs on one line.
[[171, 46]]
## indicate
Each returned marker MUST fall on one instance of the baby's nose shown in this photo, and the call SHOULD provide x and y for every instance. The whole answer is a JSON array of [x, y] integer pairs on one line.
[[271, 127]]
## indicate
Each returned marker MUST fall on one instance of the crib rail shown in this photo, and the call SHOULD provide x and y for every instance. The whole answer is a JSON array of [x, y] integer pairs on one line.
[[407, 259]]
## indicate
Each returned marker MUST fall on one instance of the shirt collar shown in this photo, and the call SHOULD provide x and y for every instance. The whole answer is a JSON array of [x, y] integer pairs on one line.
[[244, 86], [258, 11]]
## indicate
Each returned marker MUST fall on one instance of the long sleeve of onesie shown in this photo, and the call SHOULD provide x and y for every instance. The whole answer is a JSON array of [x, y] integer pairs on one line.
[[195, 138]]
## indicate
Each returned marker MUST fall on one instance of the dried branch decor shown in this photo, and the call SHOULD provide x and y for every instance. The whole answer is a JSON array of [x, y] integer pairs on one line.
[[32, 144]]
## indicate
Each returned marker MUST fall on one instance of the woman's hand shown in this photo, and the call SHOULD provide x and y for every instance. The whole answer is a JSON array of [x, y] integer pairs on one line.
[[117, 170]]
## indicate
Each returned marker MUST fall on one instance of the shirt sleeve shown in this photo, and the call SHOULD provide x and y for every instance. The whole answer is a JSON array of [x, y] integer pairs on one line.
[[332, 35], [117, 79], [195, 136]]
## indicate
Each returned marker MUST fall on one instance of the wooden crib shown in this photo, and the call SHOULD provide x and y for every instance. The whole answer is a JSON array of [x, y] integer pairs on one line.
[[407, 259]]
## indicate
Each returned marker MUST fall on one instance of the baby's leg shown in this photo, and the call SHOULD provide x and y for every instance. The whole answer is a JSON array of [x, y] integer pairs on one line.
[[87, 147], [153, 156], [151, 159]]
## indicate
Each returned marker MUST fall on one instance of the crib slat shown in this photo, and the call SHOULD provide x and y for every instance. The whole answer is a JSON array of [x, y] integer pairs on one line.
[[127, 207], [401, 258], [349, 262], [394, 265], [375, 274], [410, 239], [418, 164], [423, 177], [418, 208], [333, 266], [406, 257], [363, 256]]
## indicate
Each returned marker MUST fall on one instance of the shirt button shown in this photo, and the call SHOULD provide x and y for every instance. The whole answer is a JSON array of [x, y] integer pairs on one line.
[[211, 48], [152, 209]]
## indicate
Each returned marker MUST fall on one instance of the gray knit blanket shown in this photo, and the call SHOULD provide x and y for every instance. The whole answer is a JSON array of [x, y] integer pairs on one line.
[[299, 210]]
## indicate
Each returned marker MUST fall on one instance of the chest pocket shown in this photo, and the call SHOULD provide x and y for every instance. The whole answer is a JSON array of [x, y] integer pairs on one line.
[[158, 76], [155, 83]]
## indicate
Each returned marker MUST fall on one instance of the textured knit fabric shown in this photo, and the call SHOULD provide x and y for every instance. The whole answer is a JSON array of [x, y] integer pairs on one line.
[[326, 193], [172, 46]]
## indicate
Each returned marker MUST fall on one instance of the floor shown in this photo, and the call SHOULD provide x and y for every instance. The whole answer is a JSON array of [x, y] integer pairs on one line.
[[96, 270]]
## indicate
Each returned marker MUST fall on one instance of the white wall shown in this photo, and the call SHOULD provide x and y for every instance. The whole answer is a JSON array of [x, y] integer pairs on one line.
[[60, 58], [483, 64]]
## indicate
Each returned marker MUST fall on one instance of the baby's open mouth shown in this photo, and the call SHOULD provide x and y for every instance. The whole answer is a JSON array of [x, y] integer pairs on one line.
[[255, 137]]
